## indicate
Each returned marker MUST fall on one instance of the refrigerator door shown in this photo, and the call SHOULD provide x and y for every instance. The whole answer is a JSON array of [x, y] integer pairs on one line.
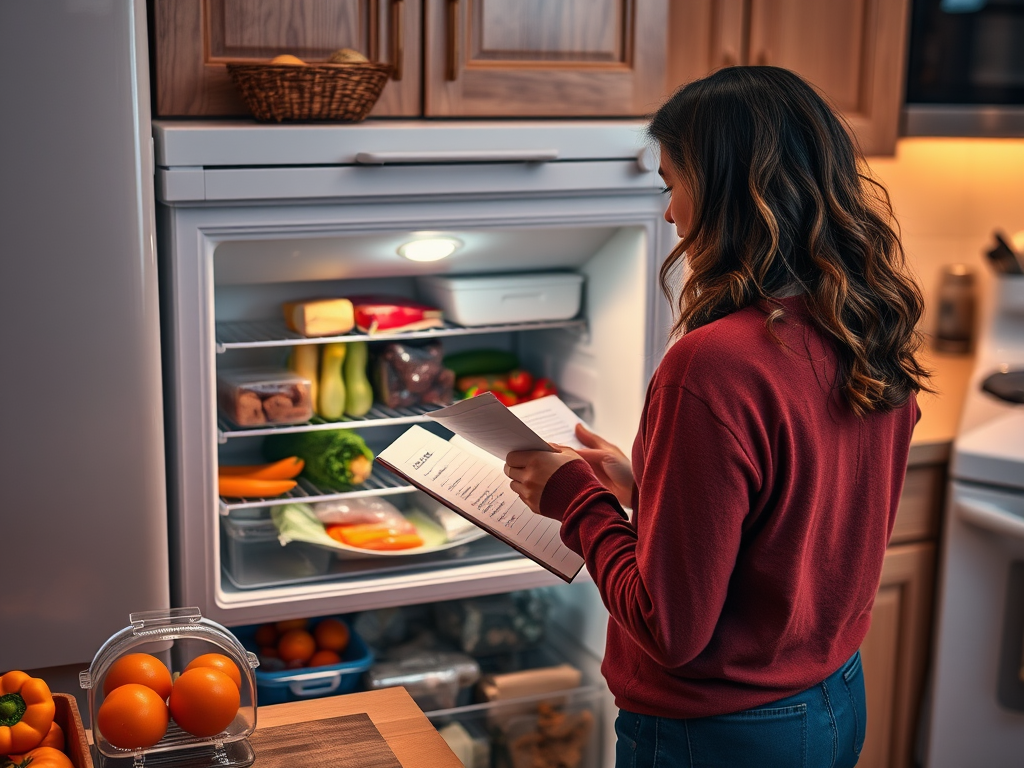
[[84, 521]]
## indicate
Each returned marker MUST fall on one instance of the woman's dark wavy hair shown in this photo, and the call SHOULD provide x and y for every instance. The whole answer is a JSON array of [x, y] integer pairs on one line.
[[780, 204]]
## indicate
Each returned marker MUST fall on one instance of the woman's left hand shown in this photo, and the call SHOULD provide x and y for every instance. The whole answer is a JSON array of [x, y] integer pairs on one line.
[[531, 470]]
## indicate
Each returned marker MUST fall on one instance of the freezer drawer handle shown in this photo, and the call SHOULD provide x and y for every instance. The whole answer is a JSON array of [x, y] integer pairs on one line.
[[468, 156], [991, 518]]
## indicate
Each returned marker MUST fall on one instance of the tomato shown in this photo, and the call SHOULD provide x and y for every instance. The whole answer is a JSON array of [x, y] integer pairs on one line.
[[543, 388], [217, 661], [296, 645], [520, 382], [133, 716], [324, 658], [331, 635], [504, 396], [139, 668], [204, 701]]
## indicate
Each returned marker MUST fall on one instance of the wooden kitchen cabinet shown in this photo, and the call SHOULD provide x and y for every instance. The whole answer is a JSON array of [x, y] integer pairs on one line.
[[194, 40], [454, 58], [896, 649], [895, 654], [535, 58], [853, 50]]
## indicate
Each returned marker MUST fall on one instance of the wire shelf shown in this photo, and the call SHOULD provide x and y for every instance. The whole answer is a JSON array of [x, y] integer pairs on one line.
[[380, 483], [378, 416], [254, 334]]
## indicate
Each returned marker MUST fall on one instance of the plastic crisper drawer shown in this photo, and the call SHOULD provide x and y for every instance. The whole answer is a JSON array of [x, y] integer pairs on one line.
[[253, 558], [250, 550], [505, 298]]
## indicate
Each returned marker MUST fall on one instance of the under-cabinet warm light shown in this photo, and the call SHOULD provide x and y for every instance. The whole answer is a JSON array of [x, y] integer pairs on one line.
[[429, 248]]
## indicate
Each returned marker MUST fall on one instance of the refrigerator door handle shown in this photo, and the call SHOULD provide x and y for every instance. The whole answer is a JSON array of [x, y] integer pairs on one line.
[[991, 518], [466, 156]]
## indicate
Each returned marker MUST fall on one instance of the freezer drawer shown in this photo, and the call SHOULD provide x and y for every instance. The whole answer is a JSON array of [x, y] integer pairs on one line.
[[554, 729]]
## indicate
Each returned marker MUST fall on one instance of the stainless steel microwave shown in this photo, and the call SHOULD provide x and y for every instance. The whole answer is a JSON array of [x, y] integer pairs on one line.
[[965, 69]]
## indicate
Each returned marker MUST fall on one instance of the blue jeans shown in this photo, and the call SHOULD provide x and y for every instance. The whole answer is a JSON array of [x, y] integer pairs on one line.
[[822, 727]]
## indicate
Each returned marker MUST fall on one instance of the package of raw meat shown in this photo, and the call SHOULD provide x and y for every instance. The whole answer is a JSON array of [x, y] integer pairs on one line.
[[406, 375], [393, 314]]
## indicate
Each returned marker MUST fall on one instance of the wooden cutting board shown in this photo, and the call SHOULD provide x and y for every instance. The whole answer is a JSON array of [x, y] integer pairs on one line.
[[413, 741], [348, 741]]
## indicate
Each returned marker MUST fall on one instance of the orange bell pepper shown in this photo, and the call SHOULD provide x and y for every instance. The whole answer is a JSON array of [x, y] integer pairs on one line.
[[41, 757], [376, 535], [26, 712]]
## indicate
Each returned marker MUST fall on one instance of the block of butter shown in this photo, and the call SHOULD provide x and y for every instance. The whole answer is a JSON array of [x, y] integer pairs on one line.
[[320, 317]]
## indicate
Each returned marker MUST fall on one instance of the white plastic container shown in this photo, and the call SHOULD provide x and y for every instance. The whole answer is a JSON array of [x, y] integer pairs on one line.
[[507, 298]]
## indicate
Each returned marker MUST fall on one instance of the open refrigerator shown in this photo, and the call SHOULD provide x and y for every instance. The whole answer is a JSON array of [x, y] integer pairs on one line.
[[251, 216]]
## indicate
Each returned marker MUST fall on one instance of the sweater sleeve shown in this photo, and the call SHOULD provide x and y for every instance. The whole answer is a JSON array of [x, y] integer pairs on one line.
[[665, 580]]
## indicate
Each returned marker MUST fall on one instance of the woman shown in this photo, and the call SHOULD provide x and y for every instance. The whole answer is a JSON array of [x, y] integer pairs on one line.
[[771, 450]]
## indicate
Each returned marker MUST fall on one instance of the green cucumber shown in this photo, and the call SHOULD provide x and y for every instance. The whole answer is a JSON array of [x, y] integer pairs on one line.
[[474, 362]]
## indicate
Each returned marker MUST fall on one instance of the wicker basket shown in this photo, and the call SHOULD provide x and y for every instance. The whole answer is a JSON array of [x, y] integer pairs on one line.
[[345, 92]]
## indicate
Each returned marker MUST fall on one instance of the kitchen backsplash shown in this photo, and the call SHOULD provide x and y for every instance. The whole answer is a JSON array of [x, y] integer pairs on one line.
[[949, 195]]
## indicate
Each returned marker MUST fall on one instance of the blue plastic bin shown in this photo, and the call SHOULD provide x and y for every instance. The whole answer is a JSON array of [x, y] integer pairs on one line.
[[309, 682]]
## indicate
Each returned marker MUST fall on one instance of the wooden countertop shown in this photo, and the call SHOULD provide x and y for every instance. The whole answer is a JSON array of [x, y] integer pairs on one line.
[[400, 721], [940, 412]]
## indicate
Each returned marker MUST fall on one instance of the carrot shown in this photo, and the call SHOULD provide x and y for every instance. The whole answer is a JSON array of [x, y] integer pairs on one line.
[[285, 469], [375, 536], [250, 487]]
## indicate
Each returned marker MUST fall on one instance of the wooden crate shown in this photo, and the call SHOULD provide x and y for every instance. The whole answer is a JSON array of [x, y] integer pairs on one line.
[[67, 716]]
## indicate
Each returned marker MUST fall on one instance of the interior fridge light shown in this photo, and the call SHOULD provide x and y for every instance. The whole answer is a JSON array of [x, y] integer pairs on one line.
[[429, 248]]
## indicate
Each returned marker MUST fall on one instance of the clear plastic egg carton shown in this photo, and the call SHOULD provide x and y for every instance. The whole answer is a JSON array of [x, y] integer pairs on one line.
[[176, 637]]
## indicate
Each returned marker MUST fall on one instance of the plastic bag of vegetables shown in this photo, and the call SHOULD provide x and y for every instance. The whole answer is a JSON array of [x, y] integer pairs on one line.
[[336, 458]]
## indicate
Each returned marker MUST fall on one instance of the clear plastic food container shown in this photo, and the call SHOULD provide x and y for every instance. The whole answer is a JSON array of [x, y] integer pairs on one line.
[[261, 397], [253, 555], [433, 678], [176, 637]]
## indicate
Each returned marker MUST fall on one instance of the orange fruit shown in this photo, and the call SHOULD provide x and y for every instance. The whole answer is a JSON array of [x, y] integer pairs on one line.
[[217, 661], [296, 645], [132, 716], [324, 658], [266, 634], [204, 701], [331, 635], [140, 668]]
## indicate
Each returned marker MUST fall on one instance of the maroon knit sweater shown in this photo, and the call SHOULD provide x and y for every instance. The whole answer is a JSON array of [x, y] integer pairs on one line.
[[761, 513]]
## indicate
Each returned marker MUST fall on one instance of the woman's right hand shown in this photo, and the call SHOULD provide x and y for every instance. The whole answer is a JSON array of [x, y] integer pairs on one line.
[[611, 465]]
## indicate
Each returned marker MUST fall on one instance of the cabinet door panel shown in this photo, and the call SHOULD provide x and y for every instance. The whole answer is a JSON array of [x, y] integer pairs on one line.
[[895, 654], [309, 29], [195, 39], [517, 58], [853, 50], [704, 35], [573, 30]]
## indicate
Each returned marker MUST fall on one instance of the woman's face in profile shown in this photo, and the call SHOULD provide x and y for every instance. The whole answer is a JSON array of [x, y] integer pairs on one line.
[[680, 204]]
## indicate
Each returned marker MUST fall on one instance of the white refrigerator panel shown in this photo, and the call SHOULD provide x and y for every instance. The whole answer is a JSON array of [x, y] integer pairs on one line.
[[84, 523]]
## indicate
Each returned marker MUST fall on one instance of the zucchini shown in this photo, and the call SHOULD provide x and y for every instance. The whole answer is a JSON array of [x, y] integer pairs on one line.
[[331, 404], [358, 392], [475, 362]]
